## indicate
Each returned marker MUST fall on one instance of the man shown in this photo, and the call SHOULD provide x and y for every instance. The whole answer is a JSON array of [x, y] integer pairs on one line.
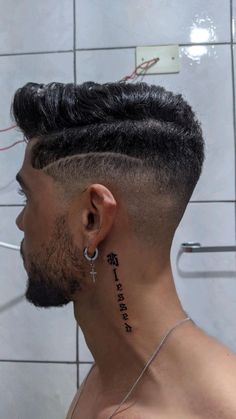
[[108, 172]]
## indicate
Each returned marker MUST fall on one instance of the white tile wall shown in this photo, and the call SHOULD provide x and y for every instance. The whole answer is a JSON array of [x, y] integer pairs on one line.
[[104, 65], [35, 26], [206, 283], [106, 24], [36, 391]]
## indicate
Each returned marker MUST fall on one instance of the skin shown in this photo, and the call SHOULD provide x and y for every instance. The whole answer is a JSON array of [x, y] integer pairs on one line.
[[191, 366]]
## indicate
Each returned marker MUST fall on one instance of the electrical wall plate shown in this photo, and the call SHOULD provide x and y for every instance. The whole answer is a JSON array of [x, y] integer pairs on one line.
[[168, 55]]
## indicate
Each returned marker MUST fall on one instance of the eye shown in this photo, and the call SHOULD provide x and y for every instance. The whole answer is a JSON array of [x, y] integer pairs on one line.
[[21, 192]]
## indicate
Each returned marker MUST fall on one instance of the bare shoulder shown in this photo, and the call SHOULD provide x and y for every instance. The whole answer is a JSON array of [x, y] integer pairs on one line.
[[212, 396], [217, 385], [227, 376]]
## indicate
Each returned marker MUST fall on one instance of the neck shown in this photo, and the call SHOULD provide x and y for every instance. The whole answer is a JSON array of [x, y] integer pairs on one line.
[[153, 308]]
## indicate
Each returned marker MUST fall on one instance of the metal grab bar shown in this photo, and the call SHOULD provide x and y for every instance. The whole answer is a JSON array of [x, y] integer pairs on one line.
[[189, 247], [9, 246], [192, 247]]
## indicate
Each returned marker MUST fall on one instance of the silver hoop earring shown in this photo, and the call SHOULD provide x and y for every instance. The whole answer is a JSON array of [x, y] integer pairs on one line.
[[91, 260]]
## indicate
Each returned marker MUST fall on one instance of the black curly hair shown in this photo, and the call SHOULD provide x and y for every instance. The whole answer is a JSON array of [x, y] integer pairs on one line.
[[142, 141]]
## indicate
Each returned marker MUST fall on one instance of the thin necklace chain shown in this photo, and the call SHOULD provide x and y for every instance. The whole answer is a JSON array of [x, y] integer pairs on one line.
[[140, 376]]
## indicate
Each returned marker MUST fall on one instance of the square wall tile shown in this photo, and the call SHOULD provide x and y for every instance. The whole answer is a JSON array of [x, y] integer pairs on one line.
[[29, 332], [206, 282], [103, 24], [29, 26], [39, 391], [104, 66], [15, 72]]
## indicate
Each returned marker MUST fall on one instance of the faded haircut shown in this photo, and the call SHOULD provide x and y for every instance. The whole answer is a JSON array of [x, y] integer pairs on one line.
[[142, 142]]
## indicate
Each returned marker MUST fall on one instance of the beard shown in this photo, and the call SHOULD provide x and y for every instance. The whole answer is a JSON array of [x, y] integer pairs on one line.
[[54, 273]]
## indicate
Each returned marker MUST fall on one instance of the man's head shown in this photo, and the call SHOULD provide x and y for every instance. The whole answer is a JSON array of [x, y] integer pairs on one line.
[[131, 148]]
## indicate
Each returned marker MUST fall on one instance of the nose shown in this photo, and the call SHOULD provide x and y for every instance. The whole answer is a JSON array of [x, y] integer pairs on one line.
[[19, 221]]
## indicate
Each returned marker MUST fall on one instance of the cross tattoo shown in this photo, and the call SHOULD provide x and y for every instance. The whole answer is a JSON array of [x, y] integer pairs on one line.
[[93, 273]]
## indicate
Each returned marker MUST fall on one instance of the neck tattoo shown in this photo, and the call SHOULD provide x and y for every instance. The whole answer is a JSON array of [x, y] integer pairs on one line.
[[113, 260]]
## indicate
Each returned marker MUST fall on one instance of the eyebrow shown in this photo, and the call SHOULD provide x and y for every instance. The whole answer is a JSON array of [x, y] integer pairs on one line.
[[21, 181]]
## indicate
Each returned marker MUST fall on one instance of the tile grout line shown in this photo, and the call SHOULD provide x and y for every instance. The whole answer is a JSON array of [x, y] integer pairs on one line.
[[13, 54], [33, 361], [233, 95], [187, 44]]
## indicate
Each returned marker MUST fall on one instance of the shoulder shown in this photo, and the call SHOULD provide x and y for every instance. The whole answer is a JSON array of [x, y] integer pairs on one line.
[[219, 388], [225, 405], [228, 399]]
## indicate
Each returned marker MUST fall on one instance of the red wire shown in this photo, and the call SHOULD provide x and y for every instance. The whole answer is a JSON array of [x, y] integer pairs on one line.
[[12, 145], [144, 66], [7, 129]]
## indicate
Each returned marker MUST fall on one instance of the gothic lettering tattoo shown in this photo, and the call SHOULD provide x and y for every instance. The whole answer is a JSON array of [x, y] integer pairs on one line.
[[113, 260], [115, 274]]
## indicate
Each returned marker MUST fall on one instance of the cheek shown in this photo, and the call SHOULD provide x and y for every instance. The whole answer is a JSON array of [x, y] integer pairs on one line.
[[35, 227]]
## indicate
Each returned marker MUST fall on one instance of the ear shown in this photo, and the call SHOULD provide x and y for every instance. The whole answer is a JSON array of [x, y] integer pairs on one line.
[[99, 216]]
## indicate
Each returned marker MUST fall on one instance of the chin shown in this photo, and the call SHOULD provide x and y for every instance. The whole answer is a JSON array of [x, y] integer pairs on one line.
[[40, 295]]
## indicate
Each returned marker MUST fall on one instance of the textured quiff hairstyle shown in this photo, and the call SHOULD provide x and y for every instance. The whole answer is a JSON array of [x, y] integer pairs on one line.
[[140, 141]]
